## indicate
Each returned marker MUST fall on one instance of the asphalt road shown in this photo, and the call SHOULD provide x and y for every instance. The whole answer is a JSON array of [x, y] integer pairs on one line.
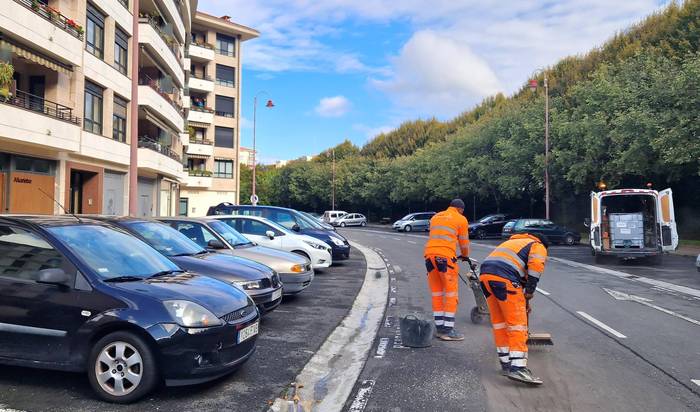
[[289, 336], [623, 355]]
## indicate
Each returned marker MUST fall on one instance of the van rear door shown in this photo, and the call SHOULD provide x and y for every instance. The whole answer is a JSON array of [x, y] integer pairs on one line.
[[667, 220], [596, 220]]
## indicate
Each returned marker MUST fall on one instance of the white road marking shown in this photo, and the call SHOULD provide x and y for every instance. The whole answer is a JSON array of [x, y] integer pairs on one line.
[[412, 242], [544, 292], [363, 393], [395, 238], [381, 348], [696, 381], [646, 302], [601, 325]]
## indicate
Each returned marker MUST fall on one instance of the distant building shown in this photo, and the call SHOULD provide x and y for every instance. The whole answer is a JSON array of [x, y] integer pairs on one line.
[[246, 156]]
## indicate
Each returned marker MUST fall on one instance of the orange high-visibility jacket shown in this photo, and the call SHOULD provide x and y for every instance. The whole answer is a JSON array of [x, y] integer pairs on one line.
[[448, 229], [520, 259]]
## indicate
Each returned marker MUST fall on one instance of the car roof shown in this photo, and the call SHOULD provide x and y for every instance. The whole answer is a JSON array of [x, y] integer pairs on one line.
[[119, 219], [226, 204], [49, 220], [203, 219]]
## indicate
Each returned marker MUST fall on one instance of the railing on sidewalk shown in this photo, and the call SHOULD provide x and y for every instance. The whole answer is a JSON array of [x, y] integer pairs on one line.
[[145, 80], [54, 16], [147, 142], [38, 104]]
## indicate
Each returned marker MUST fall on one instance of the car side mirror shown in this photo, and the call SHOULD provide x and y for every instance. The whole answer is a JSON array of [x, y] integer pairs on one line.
[[296, 228], [270, 234], [215, 244], [54, 276], [587, 222]]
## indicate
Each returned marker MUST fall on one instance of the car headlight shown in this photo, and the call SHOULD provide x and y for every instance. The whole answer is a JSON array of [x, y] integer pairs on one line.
[[191, 315], [249, 284], [315, 245], [297, 268], [338, 242]]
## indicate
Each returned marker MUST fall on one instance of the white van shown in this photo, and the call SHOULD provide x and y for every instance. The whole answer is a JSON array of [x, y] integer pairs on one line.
[[332, 216], [630, 223]]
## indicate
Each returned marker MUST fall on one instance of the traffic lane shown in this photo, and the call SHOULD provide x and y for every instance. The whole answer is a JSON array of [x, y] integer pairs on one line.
[[289, 336], [584, 370]]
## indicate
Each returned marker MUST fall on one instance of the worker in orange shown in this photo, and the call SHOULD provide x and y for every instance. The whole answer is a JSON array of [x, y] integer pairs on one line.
[[509, 277], [449, 229]]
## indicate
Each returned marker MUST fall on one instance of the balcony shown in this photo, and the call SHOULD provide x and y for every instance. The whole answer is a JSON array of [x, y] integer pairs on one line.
[[44, 28], [34, 120], [151, 96], [157, 158], [200, 147], [202, 51], [199, 178], [201, 83], [172, 14], [201, 115], [163, 47]]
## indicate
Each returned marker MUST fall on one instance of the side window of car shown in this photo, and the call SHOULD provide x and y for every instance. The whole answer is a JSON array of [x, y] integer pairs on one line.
[[284, 218], [253, 227], [23, 254], [192, 231]]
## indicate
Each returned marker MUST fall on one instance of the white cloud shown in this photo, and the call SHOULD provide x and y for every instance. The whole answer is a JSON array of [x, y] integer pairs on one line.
[[335, 106]]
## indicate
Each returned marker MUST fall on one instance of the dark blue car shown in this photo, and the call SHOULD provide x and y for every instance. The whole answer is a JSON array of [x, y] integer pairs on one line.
[[291, 219], [82, 296]]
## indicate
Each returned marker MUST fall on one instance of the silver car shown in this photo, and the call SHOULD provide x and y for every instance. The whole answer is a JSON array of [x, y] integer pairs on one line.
[[697, 263], [352, 219], [414, 221], [295, 271]]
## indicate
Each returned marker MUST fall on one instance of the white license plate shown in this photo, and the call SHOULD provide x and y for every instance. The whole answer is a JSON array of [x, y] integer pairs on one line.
[[248, 332], [276, 295]]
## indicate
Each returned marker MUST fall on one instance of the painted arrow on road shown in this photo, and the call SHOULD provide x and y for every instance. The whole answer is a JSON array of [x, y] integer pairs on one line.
[[647, 302]]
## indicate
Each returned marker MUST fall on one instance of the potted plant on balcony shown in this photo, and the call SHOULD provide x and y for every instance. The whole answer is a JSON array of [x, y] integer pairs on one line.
[[78, 28], [6, 73], [206, 173]]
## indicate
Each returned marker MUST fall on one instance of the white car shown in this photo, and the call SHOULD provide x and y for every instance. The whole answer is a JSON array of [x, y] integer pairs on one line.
[[268, 233], [331, 216]]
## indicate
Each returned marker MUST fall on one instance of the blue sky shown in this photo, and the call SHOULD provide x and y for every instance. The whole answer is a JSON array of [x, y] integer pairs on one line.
[[340, 69]]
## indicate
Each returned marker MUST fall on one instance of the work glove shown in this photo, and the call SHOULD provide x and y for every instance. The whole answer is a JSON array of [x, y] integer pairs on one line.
[[529, 295], [472, 264]]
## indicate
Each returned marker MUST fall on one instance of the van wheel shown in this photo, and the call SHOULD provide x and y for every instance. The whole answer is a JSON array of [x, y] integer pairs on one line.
[[569, 240], [407, 228], [363, 224], [122, 368], [342, 224]]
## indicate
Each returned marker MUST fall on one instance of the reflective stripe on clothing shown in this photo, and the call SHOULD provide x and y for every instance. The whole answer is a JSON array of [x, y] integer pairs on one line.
[[438, 293], [501, 325], [449, 230], [518, 259], [446, 228], [533, 273], [444, 237], [518, 327]]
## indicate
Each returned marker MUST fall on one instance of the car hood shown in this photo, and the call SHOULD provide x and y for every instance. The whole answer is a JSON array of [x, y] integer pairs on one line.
[[224, 267], [278, 260], [220, 298]]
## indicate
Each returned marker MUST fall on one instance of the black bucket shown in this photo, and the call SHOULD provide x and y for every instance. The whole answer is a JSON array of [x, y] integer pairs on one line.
[[416, 332]]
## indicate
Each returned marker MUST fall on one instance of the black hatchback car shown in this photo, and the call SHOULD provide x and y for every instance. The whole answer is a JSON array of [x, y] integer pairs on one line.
[[292, 220], [78, 295], [553, 232], [259, 281], [488, 226]]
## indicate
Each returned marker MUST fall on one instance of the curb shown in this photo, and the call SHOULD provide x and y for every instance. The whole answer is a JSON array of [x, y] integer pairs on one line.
[[328, 378]]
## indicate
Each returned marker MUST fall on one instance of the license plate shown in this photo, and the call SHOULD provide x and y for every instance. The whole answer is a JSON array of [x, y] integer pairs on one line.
[[276, 295], [248, 332]]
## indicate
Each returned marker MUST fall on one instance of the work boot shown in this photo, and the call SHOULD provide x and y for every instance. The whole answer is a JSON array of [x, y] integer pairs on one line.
[[450, 334], [523, 375], [440, 330], [505, 368]]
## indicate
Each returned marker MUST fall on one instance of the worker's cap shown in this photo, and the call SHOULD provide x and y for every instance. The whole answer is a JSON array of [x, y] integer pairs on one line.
[[458, 203]]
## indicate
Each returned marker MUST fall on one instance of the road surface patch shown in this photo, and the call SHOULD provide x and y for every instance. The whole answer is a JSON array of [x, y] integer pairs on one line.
[[601, 325]]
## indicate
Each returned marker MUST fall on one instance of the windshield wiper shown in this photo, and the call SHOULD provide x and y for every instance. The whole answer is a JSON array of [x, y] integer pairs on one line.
[[201, 252], [237, 245], [165, 273], [125, 278]]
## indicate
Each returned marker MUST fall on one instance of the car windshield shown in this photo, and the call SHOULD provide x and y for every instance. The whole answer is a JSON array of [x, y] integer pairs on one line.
[[309, 222], [407, 217], [486, 219], [112, 253], [165, 239], [232, 236]]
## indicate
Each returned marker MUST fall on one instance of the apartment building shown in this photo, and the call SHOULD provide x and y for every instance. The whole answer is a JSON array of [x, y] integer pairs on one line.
[[246, 157], [214, 80]]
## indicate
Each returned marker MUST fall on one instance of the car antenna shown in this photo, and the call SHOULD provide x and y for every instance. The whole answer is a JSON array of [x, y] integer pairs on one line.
[[60, 205]]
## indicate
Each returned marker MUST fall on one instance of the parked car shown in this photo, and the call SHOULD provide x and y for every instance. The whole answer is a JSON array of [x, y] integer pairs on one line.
[[78, 295], [271, 234], [316, 218], [507, 231], [331, 216], [292, 220], [414, 221], [547, 228], [216, 236], [488, 226], [259, 281], [352, 219]]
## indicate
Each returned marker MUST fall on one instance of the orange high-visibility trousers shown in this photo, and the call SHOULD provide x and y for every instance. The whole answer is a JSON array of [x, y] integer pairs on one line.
[[508, 309], [442, 279]]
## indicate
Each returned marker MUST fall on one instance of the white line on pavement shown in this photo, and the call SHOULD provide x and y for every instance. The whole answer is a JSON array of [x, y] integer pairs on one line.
[[363, 392], [696, 381], [647, 302], [412, 242], [544, 292], [601, 325], [395, 238]]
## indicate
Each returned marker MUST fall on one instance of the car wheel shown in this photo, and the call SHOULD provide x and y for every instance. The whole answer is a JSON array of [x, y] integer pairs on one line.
[[342, 224], [122, 368], [480, 234], [408, 228], [569, 240], [363, 224]]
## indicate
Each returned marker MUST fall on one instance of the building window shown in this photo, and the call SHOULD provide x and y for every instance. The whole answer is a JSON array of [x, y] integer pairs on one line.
[[225, 75], [121, 50], [184, 204], [34, 165], [125, 3], [119, 119], [93, 108], [95, 38], [225, 45], [223, 169], [225, 106], [223, 137]]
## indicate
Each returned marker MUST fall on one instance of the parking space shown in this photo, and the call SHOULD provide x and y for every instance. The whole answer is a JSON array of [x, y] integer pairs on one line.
[[289, 336]]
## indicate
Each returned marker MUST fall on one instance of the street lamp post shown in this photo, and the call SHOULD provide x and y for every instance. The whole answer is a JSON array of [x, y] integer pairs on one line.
[[533, 87], [254, 196]]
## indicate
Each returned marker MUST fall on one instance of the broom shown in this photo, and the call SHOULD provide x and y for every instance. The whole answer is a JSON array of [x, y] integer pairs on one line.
[[537, 339]]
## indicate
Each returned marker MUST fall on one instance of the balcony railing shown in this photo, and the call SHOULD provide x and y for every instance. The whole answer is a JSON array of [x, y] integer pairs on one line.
[[167, 38], [200, 77], [145, 80], [54, 16], [224, 114], [201, 109], [48, 108], [201, 141], [204, 44], [147, 142], [200, 173]]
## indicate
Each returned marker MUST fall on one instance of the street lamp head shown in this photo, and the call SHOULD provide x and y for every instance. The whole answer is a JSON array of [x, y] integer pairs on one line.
[[270, 104], [533, 85]]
